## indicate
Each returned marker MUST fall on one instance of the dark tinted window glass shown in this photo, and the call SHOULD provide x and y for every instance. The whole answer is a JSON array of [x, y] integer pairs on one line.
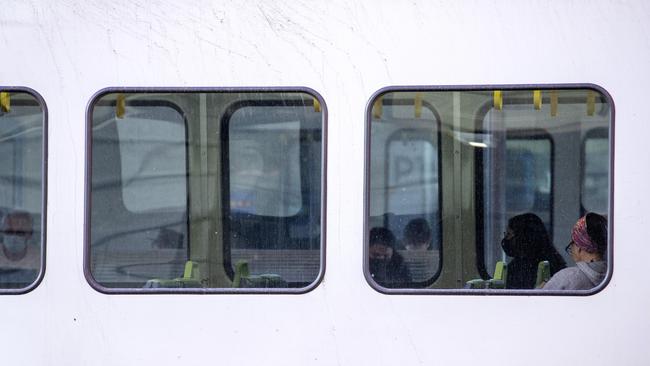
[[21, 186]]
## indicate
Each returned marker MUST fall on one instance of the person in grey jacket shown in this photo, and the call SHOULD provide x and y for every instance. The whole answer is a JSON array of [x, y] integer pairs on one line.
[[588, 248]]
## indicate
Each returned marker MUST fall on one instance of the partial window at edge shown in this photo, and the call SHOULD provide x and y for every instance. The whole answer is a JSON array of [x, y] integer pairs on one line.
[[22, 121]]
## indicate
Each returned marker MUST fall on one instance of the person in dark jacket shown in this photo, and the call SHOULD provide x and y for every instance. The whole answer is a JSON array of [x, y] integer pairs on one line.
[[527, 242], [417, 235], [20, 261], [387, 266]]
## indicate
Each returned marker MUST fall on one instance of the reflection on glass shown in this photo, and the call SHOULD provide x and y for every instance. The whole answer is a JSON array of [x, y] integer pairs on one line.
[[275, 178], [527, 182], [216, 190], [21, 185], [404, 195], [498, 176], [596, 173]]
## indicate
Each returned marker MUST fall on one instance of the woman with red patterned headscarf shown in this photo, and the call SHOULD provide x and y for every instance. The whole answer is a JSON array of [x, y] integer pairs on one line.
[[588, 248]]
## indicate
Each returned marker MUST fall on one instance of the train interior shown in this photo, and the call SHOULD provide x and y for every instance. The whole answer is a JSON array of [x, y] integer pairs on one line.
[[224, 190], [206, 190], [468, 161], [21, 186]]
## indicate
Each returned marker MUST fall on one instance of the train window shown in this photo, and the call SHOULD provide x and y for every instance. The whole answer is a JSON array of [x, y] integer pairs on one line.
[[527, 185], [22, 193], [404, 192], [496, 179], [595, 178], [152, 156], [265, 178], [207, 191], [274, 153]]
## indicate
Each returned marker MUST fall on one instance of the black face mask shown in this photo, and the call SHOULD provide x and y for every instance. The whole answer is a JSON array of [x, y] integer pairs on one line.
[[508, 246], [518, 249]]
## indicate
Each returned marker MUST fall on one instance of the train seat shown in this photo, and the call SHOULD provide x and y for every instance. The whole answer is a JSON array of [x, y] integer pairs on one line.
[[243, 278], [190, 279], [543, 273], [498, 281]]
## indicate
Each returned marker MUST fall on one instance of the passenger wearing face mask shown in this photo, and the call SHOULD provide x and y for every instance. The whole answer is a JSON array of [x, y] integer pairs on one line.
[[527, 242], [387, 266], [19, 261]]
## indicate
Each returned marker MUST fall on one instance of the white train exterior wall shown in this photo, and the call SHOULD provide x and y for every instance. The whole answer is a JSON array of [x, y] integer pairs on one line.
[[345, 50]]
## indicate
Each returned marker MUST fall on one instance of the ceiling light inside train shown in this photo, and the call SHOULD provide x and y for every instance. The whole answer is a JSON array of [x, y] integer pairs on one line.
[[478, 144]]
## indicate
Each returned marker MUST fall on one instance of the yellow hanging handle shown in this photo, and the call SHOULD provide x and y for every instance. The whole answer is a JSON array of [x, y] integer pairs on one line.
[[5, 102], [537, 99], [418, 105], [317, 107], [498, 100], [120, 106], [591, 103], [554, 102], [377, 108]]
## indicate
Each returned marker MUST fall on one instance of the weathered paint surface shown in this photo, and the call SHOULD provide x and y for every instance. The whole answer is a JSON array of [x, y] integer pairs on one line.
[[345, 50]]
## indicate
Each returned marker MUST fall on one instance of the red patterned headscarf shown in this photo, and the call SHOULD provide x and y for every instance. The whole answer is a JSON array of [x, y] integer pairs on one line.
[[581, 238]]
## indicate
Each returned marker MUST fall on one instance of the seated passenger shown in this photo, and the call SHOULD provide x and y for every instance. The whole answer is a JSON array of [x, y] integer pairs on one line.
[[19, 261], [417, 235], [588, 249], [527, 242], [386, 265]]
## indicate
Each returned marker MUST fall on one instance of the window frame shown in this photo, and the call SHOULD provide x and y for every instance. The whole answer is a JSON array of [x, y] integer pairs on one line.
[[151, 103], [438, 234], [177, 108], [596, 133], [44, 163], [225, 178], [488, 87], [194, 90], [533, 134]]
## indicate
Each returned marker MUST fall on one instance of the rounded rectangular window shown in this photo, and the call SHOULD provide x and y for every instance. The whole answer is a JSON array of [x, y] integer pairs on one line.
[[22, 190], [206, 191], [595, 180], [506, 188], [404, 192]]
